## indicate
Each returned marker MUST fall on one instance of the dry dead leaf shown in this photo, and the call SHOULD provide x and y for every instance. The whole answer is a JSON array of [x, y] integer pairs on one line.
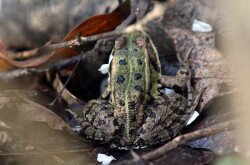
[[210, 70], [27, 128], [66, 94], [31, 111], [219, 112], [4, 64], [93, 25]]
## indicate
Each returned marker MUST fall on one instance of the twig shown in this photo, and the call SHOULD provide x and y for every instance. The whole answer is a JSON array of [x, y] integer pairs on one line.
[[156, 13], [182, 139], [159, 9], [68, 44], [66, 83]]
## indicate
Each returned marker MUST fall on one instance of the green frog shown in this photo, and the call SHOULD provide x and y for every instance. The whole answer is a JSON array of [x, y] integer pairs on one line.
[[134, 112]]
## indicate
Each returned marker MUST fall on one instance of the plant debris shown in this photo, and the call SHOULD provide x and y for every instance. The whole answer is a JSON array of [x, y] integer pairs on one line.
[[34, 71]]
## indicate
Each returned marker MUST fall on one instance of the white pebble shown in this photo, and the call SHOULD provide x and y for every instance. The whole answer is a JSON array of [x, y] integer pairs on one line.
[[105, 67], [193, 117], [105, 159], [77, 128], [199, 26], [168, 91]]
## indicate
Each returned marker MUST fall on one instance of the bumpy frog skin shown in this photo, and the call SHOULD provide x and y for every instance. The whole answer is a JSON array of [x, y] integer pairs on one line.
[[136, 113]]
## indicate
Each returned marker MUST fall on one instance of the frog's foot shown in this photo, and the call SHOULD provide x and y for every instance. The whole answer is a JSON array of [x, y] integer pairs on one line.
[[98, 120], [165, 117]]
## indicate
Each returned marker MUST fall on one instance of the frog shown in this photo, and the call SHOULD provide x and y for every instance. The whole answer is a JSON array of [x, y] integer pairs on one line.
[[134, 112]]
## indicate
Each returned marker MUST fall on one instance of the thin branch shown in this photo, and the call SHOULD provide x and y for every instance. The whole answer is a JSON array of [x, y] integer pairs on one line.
[[156, 13], [67, 81], [182, 139]]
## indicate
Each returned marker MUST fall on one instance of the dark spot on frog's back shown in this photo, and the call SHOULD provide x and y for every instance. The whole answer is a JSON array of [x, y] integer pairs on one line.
[[139, 62], [138, 88], [122, 62], [121, 102], [133, 118], [135, 50], [131, 105], [137, 76], [120, 79]]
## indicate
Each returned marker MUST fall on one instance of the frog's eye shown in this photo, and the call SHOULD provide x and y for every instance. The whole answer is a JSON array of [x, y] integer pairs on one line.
[[140, 41], [120, 42]]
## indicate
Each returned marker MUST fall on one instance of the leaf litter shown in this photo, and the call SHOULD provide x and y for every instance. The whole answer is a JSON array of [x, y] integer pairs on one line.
[[28, 127]]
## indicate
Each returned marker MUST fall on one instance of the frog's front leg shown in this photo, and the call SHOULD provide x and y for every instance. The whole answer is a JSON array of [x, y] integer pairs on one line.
[[183, 74], [165, 117], [98, 120], [180, 79]]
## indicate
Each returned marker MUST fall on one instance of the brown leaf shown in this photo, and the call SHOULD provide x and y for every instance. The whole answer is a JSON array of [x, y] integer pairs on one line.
[[30, 111], [4, 64], [187, 155], [66, 94], [24, 131], [93, 25], [219, 112], [210, 69]]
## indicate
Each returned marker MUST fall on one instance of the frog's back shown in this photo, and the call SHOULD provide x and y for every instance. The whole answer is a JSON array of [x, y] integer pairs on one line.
[[129, 83]]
